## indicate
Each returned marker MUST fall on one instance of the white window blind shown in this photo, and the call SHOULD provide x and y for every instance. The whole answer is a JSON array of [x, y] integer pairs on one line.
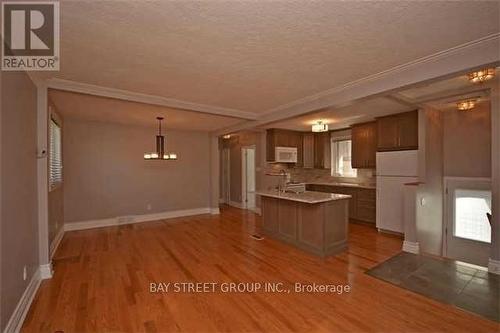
[[55, 155]]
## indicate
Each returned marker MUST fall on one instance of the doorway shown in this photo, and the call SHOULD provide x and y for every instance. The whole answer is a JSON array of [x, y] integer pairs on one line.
[[226, 176], [248, 177], [467, 235]]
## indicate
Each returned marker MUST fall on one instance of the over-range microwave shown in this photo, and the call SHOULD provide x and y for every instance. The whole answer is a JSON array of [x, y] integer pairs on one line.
[[285, 155]]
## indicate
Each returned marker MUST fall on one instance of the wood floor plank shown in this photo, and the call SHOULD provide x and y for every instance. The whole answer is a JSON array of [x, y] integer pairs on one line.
[[102, 279]]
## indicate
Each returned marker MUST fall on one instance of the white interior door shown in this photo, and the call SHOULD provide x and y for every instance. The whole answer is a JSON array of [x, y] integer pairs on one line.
[[467, 229]]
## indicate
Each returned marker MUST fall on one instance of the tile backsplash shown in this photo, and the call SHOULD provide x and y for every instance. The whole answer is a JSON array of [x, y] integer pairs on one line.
[[302, 175]]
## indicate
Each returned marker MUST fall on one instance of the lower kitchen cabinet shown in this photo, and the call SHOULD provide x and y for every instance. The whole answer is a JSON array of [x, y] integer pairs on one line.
[[362, 205]]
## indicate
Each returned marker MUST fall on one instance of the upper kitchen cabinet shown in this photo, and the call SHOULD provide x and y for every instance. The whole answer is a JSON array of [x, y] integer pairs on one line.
[[364, 145], [276, 137], [398, 132], [308, 150], [322, 150]]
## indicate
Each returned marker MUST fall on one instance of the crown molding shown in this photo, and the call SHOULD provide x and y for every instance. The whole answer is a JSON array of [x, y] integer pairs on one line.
[[90, 89], [459, 59]]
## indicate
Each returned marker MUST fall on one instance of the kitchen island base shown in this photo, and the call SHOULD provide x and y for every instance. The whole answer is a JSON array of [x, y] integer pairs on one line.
[[318, 228]]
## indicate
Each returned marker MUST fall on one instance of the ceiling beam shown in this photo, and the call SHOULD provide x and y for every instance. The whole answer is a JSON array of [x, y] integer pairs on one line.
[[126, 95], [453, 61]]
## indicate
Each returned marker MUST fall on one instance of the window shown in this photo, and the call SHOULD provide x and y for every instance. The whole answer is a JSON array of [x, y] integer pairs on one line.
[[55, 155], [471, 222], [341, 158]]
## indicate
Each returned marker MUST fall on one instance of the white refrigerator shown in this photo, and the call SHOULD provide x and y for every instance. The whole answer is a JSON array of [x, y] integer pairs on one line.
[[394, 169]]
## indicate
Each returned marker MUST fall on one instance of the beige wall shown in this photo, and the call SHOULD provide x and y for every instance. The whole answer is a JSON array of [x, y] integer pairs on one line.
[[430, 215], [56, 195], [106, 176], [467, 142], [19, 229]]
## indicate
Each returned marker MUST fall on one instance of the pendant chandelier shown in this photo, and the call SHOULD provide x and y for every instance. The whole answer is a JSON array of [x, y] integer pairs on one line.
[[160, 153]]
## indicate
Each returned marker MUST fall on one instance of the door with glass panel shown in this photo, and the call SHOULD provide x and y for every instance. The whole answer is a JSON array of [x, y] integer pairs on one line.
[[467, 230]]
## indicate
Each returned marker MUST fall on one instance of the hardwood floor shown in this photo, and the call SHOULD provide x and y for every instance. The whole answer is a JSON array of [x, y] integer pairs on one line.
[[102, 280]]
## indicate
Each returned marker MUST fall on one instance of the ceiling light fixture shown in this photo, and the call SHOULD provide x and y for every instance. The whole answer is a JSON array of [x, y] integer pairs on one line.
[[482, 75], [319, 127], [160, 153], [227, 136], [466, 105]]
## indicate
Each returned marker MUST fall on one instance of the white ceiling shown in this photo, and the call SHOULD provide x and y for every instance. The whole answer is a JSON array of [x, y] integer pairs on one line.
[[94, 108], [255, 55], [343, 117], [441, 94]]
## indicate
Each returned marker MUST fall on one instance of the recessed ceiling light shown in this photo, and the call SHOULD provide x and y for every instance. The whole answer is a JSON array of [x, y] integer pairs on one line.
[[319, 127], [482, 75], [466, 105]]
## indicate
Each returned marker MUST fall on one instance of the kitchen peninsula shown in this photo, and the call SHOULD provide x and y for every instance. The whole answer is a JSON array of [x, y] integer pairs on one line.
[[312, 221]]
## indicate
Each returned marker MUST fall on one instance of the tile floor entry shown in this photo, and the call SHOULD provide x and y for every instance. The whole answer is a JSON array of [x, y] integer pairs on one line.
[[465, 286]]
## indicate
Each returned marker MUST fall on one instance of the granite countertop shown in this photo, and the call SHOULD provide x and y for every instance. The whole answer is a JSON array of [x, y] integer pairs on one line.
[[310, 197], [367, 186]]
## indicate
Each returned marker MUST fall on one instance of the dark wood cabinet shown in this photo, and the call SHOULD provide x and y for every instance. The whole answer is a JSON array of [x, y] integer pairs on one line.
[[398, 132], [408, 130], [283, 138], [362, 205], [308, 150], [313, 149], [322, 150], [364, 145]]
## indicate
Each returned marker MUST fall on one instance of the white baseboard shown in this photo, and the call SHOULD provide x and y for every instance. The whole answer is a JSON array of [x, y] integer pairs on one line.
[[134, 219], [17, 318], [46, 271], [236, 204], [56, 241], [215, 211], [411, 247], [494, 266], [257, 211]]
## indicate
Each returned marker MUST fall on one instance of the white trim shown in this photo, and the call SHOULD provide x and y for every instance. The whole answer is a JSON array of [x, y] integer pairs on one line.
[[215, 211], [257, 210], [42, 173], [127, 95], [56, 241], [482, 179], [411, 247], [236, 204], [46, 271], [17, 318], [134, 219], [453, 61], [494, 266]]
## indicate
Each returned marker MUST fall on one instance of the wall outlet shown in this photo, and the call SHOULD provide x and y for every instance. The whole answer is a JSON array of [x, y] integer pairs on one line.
[[149, 207], [25, 273]]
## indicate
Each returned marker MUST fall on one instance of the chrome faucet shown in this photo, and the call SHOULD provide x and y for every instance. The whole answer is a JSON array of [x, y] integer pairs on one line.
[[282, 181]]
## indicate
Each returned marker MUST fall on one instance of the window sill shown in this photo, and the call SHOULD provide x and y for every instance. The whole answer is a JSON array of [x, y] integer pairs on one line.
[[344, 176]]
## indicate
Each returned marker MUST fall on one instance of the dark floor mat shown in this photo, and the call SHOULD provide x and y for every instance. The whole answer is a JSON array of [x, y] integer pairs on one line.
[[462, 285]]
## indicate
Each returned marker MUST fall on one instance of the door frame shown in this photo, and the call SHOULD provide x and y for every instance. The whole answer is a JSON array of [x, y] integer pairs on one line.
[[448, 206], [244, 173], [226, 176]]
